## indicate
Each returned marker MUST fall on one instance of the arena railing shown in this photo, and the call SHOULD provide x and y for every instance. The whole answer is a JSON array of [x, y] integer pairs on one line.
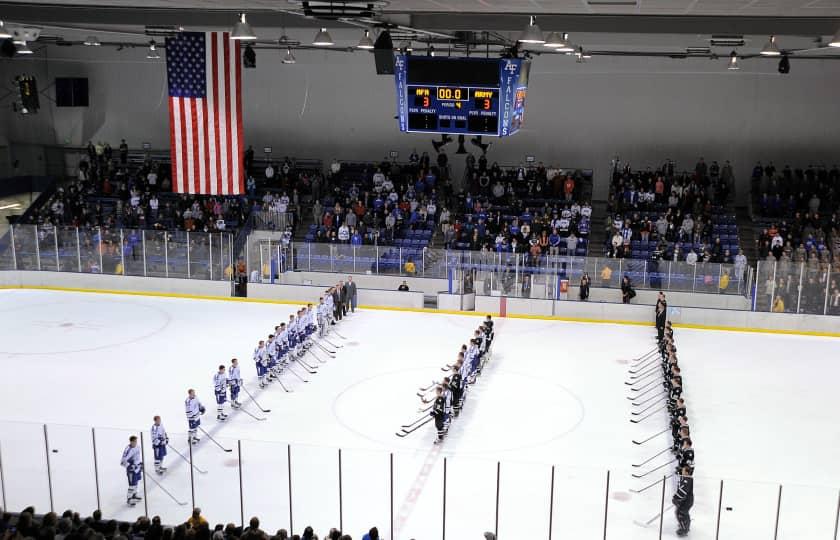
[[797, 287], [130, 252], [411, 493], [517, 275]]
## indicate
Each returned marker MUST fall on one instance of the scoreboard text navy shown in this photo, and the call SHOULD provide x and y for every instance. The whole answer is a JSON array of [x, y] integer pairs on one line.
[[464, 96]]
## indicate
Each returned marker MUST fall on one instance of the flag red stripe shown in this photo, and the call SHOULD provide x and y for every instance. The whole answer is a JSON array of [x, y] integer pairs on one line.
[[205, 182], [227, 82], [172, 143], [239, 186], [217, 188], [195, 179], [185, 159]]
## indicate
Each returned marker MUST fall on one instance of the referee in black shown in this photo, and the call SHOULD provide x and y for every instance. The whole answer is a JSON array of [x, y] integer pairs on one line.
[[661, 314]]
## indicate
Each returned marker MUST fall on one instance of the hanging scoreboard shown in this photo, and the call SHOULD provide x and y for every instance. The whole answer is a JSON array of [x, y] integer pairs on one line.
[[461, 96]]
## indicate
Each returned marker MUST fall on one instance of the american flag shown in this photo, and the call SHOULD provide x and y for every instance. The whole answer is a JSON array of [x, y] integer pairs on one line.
[[205, 113]]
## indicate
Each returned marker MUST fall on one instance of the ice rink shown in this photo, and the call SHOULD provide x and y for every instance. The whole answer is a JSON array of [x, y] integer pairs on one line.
[[762, 408]]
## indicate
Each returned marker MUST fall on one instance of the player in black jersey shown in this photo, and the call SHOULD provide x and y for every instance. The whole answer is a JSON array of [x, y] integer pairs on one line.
[[683, 500], [439, 414], [455, 388], [685, 457]]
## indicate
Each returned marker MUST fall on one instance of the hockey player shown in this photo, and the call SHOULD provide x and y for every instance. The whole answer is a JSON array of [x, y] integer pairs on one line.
[[282, 340], [323, 318], [271, 356], [194, 410], [661, 314], [455, 387], [235, 382], [133, 464], [686, 454], [259, 361], [220, 384], [439, 414], [683, 500], [159, 442]]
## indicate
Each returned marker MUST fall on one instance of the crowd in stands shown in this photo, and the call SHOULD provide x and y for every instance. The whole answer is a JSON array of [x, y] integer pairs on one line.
[[676, 216], [519, 209], [72, 526], [797, 210]]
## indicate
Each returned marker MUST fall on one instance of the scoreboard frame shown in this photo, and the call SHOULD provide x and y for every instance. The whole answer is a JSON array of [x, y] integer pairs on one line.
[[457, 108]]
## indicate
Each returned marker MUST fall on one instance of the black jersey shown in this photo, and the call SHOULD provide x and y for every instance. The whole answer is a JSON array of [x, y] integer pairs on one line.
[[439, 408], [684, 497], [455, 382], [679, 411], [686, 458]]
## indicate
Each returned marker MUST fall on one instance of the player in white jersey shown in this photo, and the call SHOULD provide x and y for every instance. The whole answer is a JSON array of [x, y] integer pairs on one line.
[[271, 355], [259, 355], [194, 410], [220, 384], [133, 463], [235, 382], [159, 442], [320, 312]]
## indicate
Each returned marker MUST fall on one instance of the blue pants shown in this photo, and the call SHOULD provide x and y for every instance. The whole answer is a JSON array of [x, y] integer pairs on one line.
[[260, 370], [133, 475], [221, 398], [160, 452], [234, 392], [194, 424]]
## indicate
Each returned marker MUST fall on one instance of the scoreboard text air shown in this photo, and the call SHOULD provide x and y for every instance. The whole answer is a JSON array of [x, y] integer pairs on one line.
[[461, 95]]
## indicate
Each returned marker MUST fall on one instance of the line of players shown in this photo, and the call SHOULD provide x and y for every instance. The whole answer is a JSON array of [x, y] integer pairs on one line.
[[290, 341], [451, 392], [682, 446]]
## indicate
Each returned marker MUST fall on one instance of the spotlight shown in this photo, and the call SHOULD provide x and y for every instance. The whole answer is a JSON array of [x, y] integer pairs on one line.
[[835, 40], [92, 41], [784, 65], [365, 43], [532, 33], [153, 54], [249, 57], [23, 48], [733, 62], [242, 31], [289, 58], [430, 51], [770, 48], [323, 38]]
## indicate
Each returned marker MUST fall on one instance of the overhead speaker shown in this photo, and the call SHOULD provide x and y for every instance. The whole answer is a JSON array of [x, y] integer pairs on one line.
[[7, 49], [461, 149], [383, 54]]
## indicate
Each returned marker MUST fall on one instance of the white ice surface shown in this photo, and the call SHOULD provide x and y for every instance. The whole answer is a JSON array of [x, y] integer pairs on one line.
[[762, 409]]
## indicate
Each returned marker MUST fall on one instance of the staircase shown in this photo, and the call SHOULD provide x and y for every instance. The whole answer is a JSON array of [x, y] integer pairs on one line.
[[597, 234]]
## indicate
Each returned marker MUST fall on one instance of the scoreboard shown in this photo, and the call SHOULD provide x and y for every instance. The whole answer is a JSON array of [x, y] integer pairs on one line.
[[463, 96]]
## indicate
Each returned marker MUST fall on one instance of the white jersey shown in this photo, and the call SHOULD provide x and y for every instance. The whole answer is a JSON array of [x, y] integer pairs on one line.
[[131, 458], [281, 338], [193, 408], [159, 436], [233, 376], [220, 381], [260, 356], [270, 348]]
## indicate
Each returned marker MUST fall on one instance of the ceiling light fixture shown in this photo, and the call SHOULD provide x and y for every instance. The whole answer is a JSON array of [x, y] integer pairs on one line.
[[532, 33], [323, 38], [92, 41], [4, 34], [289, 58], [23, 48], [733, 62], [770, 48], [242, 31], [365, 43], [153, 54], [835, 41]]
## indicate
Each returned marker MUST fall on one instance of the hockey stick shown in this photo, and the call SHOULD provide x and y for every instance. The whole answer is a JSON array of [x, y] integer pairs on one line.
[[655, 435], [646, 409], [427, 409], [654, 518], [649, 390], [424, 417], [643, 387], [645, 371], [647, 375], [255, 401], [293, 372], [303, 365], [307, 365], [645, 462], [214, 440], [658, 482], [644, 356], [635, 421], [163, 489], [326, 350], [644, 360], [255, 417], [643, 365], [310, 351], [185, 458], [653, 470], [415, 428], [428, 387], [648, 400], [330, 343], [339, 335]]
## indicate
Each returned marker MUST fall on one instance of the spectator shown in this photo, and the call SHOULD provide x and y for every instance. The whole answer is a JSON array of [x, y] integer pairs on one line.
[[584, 286], [627, 292], [196, 520], [403, 287], [778, 305], [373, 534], [410, 267]]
